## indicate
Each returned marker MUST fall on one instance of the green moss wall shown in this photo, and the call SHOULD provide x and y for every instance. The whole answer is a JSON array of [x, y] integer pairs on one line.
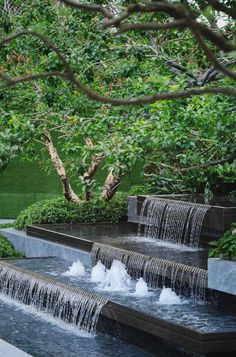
[[24, 183]]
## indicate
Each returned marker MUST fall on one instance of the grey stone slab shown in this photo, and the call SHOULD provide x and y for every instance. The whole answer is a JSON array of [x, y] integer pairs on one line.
[[6, 221], [222, 275], [36, 247], [8, 350], [132, 209]]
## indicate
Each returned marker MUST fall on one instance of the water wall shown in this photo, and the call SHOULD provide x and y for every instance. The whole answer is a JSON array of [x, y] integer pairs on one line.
[[156, 272], [172, 221], [220, 214], [68, 303]]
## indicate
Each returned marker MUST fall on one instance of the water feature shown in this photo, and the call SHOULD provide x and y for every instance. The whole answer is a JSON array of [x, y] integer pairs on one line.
[[215, 200], [146, 283], [141, 288], [71, 305], [41, 335], [172, 221], [76, 269], [134, 262], [169, 297], [155, 272], [116, 278], [123, 236], [182, 278], [159, 303], [98, 273]]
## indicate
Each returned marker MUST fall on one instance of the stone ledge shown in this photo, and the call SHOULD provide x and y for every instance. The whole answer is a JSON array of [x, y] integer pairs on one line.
[[8, 350], [37, 248], [222, 275]]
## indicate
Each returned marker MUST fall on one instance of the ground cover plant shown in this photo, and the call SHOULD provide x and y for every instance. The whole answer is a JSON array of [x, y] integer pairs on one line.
[[7, 250], [60, 210]]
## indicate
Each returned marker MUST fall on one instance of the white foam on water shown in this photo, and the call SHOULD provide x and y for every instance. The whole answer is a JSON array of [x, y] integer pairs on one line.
[[169, 297], [76, 269], [176, 246], [98, 273], [141, 288], [160, 243], [116, 278], [43, 316]]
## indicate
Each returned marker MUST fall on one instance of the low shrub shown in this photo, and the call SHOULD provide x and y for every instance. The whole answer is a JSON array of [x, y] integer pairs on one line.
[[225, 247], [138, 190], [7, 250], [6, 225], [59, 210]]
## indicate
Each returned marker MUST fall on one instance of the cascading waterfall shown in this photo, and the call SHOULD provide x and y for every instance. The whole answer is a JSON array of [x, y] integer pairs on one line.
[[179, 277], [173, 221], [134, 262], [155, 272], [70, 304]]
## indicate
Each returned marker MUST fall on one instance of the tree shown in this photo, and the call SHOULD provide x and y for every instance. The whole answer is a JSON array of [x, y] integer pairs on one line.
[[198, 18], [88, 135], [98, 134]]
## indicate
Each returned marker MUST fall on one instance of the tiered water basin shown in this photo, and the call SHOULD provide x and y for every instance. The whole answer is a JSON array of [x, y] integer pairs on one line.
[[151, 288]]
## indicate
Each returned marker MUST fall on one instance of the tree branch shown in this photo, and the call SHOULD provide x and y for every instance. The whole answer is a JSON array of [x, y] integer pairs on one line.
[[69, 76], [221, 7], [12, 82], [69, 194], [89, 7], [209, 54], [228, 159], [151, 26]]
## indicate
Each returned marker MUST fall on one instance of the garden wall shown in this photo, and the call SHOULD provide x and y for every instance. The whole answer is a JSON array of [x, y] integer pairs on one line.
[[24, 183]]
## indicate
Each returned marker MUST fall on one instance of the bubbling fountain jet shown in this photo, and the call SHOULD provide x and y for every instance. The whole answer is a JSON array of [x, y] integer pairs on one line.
[[155, 272]]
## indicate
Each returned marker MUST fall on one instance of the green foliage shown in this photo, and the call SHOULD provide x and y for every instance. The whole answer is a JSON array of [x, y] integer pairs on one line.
[[178, 134], [138, 190], [52, 103], [9, 146], [6, 225], [225, 247], [61, 211], [7, 250], [189, 134]]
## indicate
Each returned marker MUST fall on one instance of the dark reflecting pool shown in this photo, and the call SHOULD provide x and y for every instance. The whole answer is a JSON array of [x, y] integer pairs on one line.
[[42, 336], [125, 236], [195, 315]]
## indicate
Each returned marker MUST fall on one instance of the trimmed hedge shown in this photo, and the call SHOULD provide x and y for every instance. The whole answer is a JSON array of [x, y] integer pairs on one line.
[[7, 250], [59, 210]]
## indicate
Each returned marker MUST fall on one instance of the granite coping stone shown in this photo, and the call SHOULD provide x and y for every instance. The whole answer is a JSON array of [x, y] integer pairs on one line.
[[222, 275], [8, 350], [35, 247], [6, 221]]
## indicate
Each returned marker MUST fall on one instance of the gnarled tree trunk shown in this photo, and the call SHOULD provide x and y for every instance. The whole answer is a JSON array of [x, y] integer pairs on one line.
[[89, 174], [68, 192], [111, 184]]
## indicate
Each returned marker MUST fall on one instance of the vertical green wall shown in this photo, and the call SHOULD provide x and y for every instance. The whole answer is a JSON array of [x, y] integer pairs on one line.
[[24, 183]]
